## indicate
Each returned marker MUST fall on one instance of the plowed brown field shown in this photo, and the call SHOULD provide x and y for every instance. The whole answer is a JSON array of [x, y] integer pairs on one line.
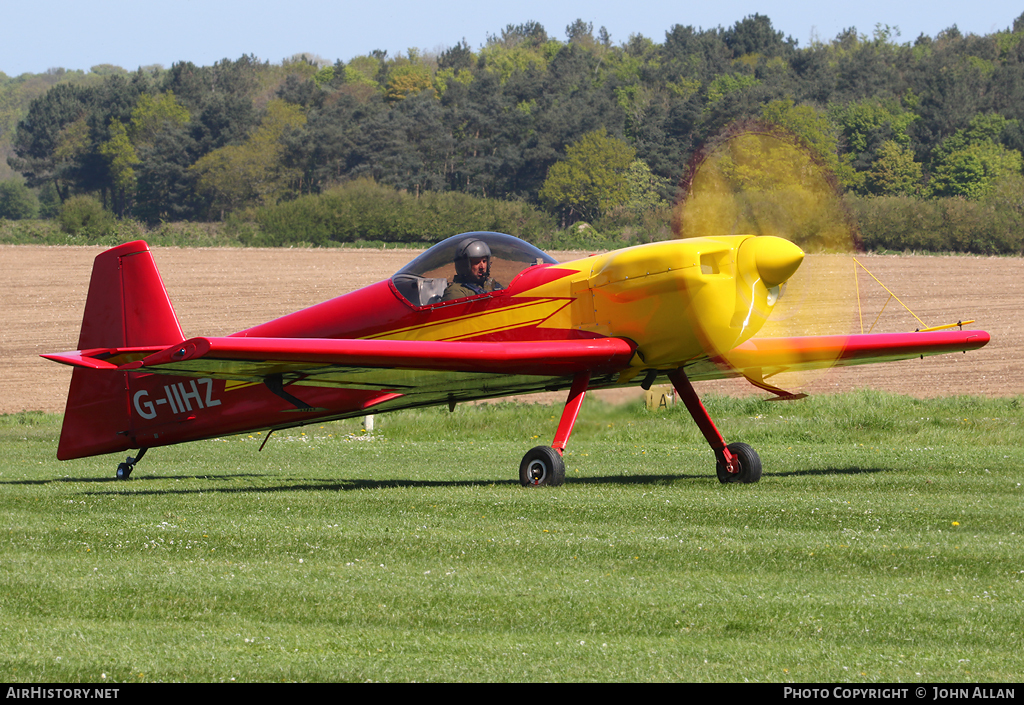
[[220, 291]]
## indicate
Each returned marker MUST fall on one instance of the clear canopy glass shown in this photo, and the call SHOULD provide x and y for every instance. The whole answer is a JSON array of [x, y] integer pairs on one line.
[[422, 282]]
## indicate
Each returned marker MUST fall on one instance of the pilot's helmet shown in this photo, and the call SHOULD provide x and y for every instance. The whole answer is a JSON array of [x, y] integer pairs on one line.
[[468, 250]]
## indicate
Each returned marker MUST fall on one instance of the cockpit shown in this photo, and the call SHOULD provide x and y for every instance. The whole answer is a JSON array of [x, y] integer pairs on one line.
[[423, 281]]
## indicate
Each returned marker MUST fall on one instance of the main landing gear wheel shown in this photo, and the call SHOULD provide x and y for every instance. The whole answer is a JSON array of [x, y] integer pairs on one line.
[[541, 466], [750, 465]]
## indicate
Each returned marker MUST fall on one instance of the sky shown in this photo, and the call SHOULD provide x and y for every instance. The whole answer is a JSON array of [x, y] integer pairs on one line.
[[36, 36]]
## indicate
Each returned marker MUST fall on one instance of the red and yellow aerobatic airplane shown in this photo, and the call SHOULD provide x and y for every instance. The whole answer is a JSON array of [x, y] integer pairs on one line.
[[477, 316]]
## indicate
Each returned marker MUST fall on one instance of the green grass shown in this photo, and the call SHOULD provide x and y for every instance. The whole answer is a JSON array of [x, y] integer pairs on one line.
[[883, 544]]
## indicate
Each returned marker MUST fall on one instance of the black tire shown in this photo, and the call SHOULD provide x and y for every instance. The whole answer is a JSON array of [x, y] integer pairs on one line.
[[124, 471], [750, 465], [542, 466]]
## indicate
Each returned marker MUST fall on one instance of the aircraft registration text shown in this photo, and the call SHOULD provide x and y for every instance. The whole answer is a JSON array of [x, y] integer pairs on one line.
[[177, 397]]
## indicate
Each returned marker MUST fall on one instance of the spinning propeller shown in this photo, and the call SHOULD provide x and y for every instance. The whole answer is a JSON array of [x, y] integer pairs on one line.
[[764, 182]]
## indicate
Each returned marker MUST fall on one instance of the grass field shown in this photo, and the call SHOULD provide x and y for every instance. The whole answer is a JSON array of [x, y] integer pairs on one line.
[[882, 545]]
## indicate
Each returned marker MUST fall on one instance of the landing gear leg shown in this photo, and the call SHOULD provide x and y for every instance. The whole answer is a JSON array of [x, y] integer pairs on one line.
[[544, 465], [124, 470], [736, 462]]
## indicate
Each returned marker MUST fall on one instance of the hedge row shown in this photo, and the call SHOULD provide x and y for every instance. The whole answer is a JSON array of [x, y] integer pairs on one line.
[[364, 211], [993, 227]]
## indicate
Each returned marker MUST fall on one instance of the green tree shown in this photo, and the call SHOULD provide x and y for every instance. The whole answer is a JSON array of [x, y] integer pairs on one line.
[[85, 216], [406, 80], [580, 31], [644, 188], [252, 172], [151, 113], [49, 201], [363, 70], [894, 172], [754, 34], [692, 54], [972, 172], [158, 131], [51, 140], [457, 58], [860, 122], [324, 76], [727, 83], [165, 188], [591, 179], [121, 161], [446, 77], [971, 162], [71, 150], [17, 202], [507, 61]]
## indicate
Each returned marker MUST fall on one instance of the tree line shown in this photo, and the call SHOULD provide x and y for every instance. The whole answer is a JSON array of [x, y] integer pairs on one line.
[[571, 129]]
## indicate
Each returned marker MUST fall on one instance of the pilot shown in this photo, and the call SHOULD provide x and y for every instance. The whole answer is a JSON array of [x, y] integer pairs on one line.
[[472, 271]]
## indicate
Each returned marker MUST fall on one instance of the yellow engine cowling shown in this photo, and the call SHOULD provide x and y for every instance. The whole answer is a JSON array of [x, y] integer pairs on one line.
[[684, 299]]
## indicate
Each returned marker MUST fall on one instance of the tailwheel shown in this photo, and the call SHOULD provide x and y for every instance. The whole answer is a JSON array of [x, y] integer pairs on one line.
[[124, 470], [749, 461], [541, 466]]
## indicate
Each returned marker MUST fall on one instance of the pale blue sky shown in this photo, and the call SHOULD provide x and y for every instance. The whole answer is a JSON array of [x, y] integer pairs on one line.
[[74, 34]]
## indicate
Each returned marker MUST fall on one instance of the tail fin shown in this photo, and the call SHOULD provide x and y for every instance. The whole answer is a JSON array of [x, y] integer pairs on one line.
[[127, 306]]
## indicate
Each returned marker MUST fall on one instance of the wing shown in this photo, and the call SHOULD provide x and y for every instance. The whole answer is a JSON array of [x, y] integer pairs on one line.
[[762, 357], [409, 372], [418, 372]]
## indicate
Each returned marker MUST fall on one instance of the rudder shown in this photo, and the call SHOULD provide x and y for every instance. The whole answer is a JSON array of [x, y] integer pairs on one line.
[[127, 305]]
